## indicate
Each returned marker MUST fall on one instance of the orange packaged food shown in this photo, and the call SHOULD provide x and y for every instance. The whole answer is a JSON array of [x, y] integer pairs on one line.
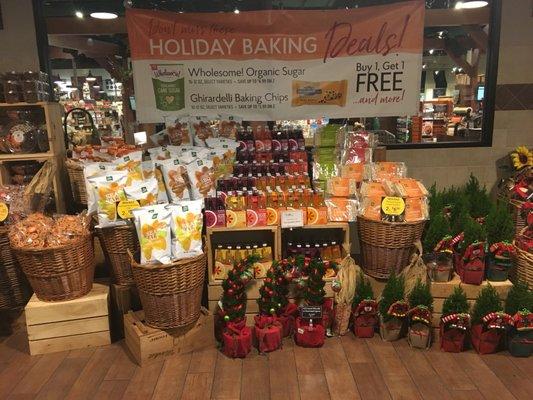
[[371, 207], [353, 171], [416, 209], [341, 187], [341, 209], [328, 93]]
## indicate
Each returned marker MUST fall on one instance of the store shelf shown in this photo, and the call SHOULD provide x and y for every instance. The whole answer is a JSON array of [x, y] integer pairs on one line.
[[26, 156], [330, 225], [246, 228], [40, 104]]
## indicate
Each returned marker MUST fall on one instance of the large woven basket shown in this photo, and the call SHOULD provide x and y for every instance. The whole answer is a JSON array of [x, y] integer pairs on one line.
[[14, 288], [171, 294], [387, 246], [523, 268], [77, 181], [59, 273], [516, 211], [116, 241]]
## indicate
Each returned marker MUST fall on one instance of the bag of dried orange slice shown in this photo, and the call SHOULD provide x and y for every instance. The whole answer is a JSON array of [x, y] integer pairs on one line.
[[175, 178], [108, 193], [187, 223], [202, 178], [153, 229]]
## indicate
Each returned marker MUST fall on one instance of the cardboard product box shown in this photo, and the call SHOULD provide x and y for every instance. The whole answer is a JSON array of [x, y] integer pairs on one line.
[[147, 344]]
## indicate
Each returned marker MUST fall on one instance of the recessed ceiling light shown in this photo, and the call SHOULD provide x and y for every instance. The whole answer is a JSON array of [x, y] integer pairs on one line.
[[471, 4], [431, 51], [90, 77], [104, 15], [424, 66], [96, 86], [79, 14], [236, 11]]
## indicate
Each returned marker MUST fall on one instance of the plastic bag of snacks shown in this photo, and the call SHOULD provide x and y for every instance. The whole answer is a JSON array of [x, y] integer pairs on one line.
[[201, 130], [178, 132], [380, 171], [342, 187], [153, 229], [357, 146], [143, 193], [159, 153], [108, 192], [132, 164], [91, 170], [39, 231], [228, 126], [341, 209], [202, 179], [187, 223], [151, 171], [176, 179], [12, 205]]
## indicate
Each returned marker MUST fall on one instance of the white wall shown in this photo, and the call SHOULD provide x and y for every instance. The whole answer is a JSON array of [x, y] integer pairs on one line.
[[18, 45]]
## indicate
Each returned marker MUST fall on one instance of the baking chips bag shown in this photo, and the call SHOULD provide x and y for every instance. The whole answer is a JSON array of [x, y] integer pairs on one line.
[[132, 164], [150, 170], [143, 193], [328, 93], [153, 228], [90, 170], [108, 193], [186, 228], [202, 178], [176, 179]]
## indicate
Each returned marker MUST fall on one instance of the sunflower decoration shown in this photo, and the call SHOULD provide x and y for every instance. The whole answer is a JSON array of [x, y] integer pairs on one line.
[[522, 157]]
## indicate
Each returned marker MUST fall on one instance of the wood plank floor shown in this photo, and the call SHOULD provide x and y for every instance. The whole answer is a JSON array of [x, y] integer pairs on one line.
[[345, 368]]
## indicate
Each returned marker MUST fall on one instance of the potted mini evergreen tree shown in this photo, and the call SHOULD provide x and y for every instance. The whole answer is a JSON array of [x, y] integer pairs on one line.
[[421, 307], [438, 258], [500, 233], [392, 308], [455, 321], [478, 198], [472, 264], [519, 304], [488, 321], [365, 308]]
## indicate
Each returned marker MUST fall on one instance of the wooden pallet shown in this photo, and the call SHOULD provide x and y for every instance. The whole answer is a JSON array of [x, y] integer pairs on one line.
[[69, 325]]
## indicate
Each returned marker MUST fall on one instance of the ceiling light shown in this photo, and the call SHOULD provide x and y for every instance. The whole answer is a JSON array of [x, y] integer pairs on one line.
[[90, 77], [101, 91], [424, 66], [471, 4], [79, 14], [104, 15], [436, 72], [96, 86], [431, 51], [441, 34], [236, 11]]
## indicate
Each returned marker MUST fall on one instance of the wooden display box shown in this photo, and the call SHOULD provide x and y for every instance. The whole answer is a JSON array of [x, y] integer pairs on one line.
[[441, 290], [123, 299], [148, 344], [69, 325]]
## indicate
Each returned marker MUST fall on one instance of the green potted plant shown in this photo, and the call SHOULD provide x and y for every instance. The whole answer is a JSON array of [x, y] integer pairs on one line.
[[437, 256], [519, 304], [392, 308], [500, 232], [478, 199], [455, 321], [471, 266], [365, 308], [420, 309], [489, 322]]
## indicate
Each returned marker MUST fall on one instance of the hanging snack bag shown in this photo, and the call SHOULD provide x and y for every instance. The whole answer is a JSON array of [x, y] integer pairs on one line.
[[109, 192], [201, 130], [187, 223], [202, 179], [90, 170], [178, 132], [175, 178], [132, 164], [153, 228], [145, 192]]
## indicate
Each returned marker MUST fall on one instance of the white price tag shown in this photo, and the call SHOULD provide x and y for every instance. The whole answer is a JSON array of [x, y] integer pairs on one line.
[[292, 218]]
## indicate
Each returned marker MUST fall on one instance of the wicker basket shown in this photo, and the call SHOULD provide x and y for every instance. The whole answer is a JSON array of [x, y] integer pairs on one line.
[[387, 246], [171, 294], [516, 211], [523, 270], [59, 273], [116, 241], [14, 288], [77, 181]]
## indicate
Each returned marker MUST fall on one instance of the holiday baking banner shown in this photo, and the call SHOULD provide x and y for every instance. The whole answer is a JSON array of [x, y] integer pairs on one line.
[[278, 64]]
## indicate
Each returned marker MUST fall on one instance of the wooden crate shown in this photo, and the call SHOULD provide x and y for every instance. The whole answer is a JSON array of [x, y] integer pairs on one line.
[[441, 290], [239, 237], [68, 325], [123, 299], [148, 344]]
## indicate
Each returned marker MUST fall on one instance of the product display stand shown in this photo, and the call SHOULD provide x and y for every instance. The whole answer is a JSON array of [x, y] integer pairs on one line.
[[56, 152]]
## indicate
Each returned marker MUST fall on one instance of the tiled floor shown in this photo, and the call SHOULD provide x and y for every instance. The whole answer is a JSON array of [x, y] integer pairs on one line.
[[345, 368]]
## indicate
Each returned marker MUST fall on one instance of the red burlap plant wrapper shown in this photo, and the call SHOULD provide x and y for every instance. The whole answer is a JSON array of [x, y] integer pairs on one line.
[[267, 333], [473, 264], [486, 341], [237, 339], [287, 317], [452, 340], [343, 313], [364, 326], [309, 336]]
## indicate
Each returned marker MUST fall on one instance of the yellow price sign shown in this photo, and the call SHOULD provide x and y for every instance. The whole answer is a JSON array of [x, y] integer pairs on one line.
[[4, 212], [124, 208], [393, 205]]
